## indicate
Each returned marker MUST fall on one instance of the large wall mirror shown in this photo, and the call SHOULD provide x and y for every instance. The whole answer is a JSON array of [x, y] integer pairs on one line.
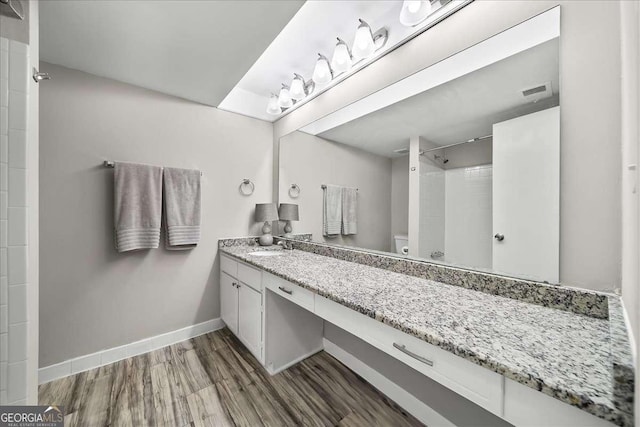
[[457, 164]]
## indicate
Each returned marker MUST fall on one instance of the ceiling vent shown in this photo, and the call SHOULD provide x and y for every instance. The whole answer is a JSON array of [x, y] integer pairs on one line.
[[536, 93]]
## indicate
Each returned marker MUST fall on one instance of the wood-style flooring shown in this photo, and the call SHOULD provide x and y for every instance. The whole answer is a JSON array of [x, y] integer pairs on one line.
[[213, 380]]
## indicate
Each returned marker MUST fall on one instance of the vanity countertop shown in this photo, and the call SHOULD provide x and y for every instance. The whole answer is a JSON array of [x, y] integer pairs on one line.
[[562, 354]]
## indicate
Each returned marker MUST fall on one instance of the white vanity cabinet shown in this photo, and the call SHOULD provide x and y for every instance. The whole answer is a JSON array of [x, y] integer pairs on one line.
[[282, 323], [241, 303]]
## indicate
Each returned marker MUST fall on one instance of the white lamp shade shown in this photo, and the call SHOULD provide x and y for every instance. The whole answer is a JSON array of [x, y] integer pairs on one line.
[[341, 60], [414, 12], [272, 106], [284, 99], [363, 46], [297, 91], [322, 72]]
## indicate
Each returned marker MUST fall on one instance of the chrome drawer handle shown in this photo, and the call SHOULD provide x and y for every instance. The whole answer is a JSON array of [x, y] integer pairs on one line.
[[286, 291], [403, 349]]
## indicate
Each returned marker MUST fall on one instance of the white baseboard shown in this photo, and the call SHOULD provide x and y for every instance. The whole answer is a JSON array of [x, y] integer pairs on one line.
[[110, 355], [273, 371], [406, 400]]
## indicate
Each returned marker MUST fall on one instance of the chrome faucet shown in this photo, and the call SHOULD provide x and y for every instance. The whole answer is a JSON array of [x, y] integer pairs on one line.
[[286, 245]]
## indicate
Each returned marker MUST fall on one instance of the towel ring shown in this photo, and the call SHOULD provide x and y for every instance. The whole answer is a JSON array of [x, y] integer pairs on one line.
[[294, 191], [243, 187]]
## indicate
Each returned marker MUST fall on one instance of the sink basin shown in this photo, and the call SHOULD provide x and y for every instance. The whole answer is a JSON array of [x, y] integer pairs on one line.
[[265, 253]]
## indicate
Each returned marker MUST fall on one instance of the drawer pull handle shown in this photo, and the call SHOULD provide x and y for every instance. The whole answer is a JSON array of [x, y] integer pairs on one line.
[[285, 290], [403, 349], [234, 284]]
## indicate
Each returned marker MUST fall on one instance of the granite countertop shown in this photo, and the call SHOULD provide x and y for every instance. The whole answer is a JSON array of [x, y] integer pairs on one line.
[[562, 354]]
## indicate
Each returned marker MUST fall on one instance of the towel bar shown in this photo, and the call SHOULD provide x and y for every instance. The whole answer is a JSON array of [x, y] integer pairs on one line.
[[112, 164]]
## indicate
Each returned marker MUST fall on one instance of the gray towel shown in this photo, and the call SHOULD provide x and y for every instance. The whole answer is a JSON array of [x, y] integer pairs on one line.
[[182, 208], [137, 207], [349, 211], [332, 211]]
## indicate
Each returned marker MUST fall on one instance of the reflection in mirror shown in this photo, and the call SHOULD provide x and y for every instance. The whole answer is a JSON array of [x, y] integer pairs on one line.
[[464, 173]]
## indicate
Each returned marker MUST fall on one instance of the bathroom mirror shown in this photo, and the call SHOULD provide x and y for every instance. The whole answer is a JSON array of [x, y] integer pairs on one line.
[[457, 164]]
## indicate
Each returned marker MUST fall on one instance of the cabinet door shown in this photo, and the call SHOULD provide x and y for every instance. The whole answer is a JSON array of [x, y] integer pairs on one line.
[[250, 319], [229, 302]]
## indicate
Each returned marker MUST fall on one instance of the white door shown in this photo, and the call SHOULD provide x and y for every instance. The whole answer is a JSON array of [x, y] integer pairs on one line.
[[229, 301], [250, 319], [526, 196]]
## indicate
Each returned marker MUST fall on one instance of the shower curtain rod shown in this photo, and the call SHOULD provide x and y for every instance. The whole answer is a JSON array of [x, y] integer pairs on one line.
[[480, 138]]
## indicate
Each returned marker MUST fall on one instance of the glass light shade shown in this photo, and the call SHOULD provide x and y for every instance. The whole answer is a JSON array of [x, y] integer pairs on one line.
[[284, 99], [363, 46], [272, 106], [414, 12], [322, 72], [297, 91], [341, 60]]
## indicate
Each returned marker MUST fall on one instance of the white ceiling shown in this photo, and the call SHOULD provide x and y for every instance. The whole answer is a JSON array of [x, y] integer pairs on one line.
[[314, 30], [197, 50], [458, 110]]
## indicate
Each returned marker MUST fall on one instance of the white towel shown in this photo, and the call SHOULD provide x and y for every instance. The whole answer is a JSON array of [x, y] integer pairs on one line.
[[349, 211], [332, 211], [137, 206], [182, 196]]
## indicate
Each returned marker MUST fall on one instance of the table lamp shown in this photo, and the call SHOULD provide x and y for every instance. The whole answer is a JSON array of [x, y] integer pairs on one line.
[[288, 212], [266, 212]]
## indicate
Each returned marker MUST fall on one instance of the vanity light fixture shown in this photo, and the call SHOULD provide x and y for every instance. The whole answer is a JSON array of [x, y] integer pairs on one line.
[[322, 74], [284, 98], [414, 12], [363, 46], [341, 60], [272, 106], [300, 88]]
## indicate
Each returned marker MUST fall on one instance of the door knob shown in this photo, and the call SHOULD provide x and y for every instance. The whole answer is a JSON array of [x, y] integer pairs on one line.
[[499, 237]]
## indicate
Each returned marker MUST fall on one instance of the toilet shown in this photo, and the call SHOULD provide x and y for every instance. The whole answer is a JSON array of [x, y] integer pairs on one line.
[[402, 244]]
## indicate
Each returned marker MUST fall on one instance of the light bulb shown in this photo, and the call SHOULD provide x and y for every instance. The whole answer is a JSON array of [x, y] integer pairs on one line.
[[363, 46], [322, 73], [297, 91], [414, 12], [284, 99], [341, 60], [272, 106]]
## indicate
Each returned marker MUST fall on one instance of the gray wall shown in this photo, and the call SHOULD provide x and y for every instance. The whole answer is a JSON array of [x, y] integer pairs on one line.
[[92, 297], [590, 222], [311, 161], [447, 403]]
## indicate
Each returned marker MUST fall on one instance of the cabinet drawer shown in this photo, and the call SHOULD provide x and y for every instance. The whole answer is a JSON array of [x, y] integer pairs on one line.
[[288, 290], [229, 266], [480, 385], [250, 276]]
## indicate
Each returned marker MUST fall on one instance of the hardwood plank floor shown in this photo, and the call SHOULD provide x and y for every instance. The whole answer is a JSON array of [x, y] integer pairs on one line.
[[213, 380]]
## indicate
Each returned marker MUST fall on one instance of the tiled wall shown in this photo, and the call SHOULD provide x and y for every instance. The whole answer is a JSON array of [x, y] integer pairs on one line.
[[468, 213], [14, 62], [456, 214], [432, 209]]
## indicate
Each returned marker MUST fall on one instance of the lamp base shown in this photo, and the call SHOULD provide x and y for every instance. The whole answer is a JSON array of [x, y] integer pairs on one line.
[[266, 239], [288, 229]]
